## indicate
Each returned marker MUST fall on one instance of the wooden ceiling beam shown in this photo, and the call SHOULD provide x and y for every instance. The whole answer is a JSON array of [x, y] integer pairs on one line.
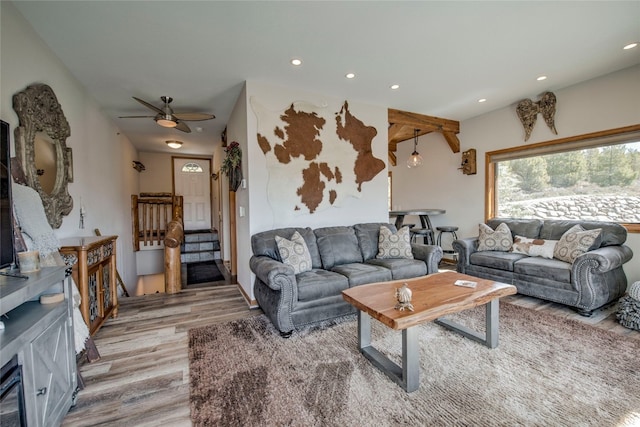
[[453, 141], [402, 125], [422, 122], [392, 159]]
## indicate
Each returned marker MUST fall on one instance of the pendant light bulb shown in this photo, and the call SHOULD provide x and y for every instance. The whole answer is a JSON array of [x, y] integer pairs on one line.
[[416, 159]]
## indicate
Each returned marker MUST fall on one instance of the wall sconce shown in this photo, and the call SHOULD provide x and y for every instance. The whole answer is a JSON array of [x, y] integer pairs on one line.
[[416, 159], [468, 164], [138, 166], [215, 176], [39, 172]]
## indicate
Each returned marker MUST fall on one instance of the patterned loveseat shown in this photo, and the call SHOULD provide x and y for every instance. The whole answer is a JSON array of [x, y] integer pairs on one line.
[[585, 278], [340, 257]]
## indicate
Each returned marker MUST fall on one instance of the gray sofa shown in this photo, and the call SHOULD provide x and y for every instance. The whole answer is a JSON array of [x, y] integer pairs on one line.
[[594, 279], [342, 257]]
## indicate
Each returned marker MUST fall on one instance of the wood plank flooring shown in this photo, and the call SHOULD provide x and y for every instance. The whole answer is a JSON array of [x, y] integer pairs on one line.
[[142, 378]]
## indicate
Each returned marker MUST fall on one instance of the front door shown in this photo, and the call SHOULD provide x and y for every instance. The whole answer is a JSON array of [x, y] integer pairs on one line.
[[192, 181]]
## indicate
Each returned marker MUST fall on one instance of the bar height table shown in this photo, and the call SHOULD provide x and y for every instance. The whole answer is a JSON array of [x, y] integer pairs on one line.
[[422, 213]]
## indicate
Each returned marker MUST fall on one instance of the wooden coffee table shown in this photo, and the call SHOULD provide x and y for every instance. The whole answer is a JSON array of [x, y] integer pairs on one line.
[[434, 296]]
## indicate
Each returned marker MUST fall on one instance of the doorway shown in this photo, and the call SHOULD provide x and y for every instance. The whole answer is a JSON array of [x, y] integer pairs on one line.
[[192, 181]]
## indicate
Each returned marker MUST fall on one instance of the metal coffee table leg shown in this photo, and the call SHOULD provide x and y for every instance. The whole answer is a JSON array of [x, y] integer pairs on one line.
[[490, 337], [408, 375]]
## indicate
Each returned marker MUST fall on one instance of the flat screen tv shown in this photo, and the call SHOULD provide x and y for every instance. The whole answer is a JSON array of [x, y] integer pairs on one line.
[[7, 253]]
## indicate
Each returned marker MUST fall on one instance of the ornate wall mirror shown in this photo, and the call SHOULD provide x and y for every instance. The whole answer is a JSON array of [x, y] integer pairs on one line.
[[40, 142]]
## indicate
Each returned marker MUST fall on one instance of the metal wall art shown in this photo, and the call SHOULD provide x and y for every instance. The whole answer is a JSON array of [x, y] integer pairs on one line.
[[528, 110]]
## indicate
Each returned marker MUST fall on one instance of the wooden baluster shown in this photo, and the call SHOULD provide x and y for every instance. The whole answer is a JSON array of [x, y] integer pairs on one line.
[[144, 223], [136, 223]]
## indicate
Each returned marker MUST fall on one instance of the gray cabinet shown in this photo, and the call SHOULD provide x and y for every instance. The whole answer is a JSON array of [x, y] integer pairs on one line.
[[41, 335]]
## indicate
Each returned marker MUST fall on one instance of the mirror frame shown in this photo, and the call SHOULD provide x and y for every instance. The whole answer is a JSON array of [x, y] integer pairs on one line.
[[39, 111]]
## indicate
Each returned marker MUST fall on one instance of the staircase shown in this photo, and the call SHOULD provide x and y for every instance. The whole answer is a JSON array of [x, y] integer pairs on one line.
[[199, 245]]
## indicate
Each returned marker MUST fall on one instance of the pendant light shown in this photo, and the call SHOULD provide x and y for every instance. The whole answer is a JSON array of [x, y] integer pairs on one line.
[[416, 159]]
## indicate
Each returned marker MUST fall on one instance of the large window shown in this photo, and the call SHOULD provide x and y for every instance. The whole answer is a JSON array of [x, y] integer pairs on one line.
[[588, 177]]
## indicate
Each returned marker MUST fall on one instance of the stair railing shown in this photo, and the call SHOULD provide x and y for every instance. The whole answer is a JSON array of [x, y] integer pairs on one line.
[[151, 214]]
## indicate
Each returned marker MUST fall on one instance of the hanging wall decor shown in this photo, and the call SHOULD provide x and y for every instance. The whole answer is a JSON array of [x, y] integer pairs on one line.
[[232, 165], [528, 110], [317, 156]]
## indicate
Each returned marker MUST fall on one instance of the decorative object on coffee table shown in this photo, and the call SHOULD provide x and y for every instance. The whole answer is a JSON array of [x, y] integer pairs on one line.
[[629, 309], [403, 294]]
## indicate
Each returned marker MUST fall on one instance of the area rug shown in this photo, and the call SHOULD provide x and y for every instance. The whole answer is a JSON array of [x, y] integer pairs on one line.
[[546, 371], [202, 272]]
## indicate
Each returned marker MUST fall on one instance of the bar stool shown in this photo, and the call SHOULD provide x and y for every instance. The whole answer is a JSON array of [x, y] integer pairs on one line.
[[425, 233], [447, 229]]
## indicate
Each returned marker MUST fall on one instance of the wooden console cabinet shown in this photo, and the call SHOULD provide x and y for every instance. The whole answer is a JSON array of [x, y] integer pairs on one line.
[[41, 336], [95, 275]]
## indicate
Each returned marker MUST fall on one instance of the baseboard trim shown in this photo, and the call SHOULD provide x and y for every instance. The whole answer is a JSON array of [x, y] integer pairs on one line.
[[251, 303]]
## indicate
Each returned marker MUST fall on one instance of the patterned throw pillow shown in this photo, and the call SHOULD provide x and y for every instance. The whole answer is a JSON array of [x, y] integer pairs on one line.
[[394, 245], [499, 239], [533, 247], [574, 242], [294, 252]]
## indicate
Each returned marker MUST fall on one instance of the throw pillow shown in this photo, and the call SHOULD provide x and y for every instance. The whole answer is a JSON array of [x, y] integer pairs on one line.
[[394, 245], [294, 252], [499, 239], [533, 247], [574, 242]]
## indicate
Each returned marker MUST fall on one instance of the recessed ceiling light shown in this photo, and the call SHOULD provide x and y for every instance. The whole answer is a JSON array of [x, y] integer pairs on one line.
[[630, 46], [350, 75], [394, 87], [541, 78], [296, 61], [482, 100]]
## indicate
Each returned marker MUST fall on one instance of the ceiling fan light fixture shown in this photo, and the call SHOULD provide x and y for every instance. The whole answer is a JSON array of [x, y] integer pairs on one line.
[[416, 159], [174, 144], [166, 121]]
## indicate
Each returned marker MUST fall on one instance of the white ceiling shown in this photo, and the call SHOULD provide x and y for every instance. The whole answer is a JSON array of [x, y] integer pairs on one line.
[[444, 55]]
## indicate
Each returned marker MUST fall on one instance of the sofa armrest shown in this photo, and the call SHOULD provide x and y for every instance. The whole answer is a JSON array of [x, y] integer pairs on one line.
[[603, 259], [274, 274], [430, 254], [464, 247]]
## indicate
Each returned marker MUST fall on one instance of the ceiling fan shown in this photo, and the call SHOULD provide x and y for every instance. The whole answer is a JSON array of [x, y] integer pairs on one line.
[[167, 118]]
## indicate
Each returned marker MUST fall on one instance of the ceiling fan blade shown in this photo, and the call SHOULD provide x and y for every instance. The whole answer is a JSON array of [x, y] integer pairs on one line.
[[150, 106], [193, 117], [183, 127], [134, 117]]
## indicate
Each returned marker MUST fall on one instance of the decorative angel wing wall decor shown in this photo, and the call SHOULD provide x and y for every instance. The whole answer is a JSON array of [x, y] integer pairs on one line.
[[528, 110]]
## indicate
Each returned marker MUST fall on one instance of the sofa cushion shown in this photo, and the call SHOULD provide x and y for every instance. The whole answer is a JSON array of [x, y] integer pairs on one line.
[[499, 239], [394, 245], [533, 247], [359, 273], [294, 252], [264, 243], [522, 227], [552, 269], [318, 283], [337, 245], [575, 242], [367, 234], [494, 259], [612, 233], [401, 268]]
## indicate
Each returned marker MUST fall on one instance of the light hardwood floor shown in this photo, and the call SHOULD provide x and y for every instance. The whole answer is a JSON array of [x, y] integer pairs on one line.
[[142, 378]]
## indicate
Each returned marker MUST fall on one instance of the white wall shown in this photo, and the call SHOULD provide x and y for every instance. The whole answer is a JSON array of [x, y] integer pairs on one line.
[[243, 127], [604, 103], [156, 178], [103, 176]]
